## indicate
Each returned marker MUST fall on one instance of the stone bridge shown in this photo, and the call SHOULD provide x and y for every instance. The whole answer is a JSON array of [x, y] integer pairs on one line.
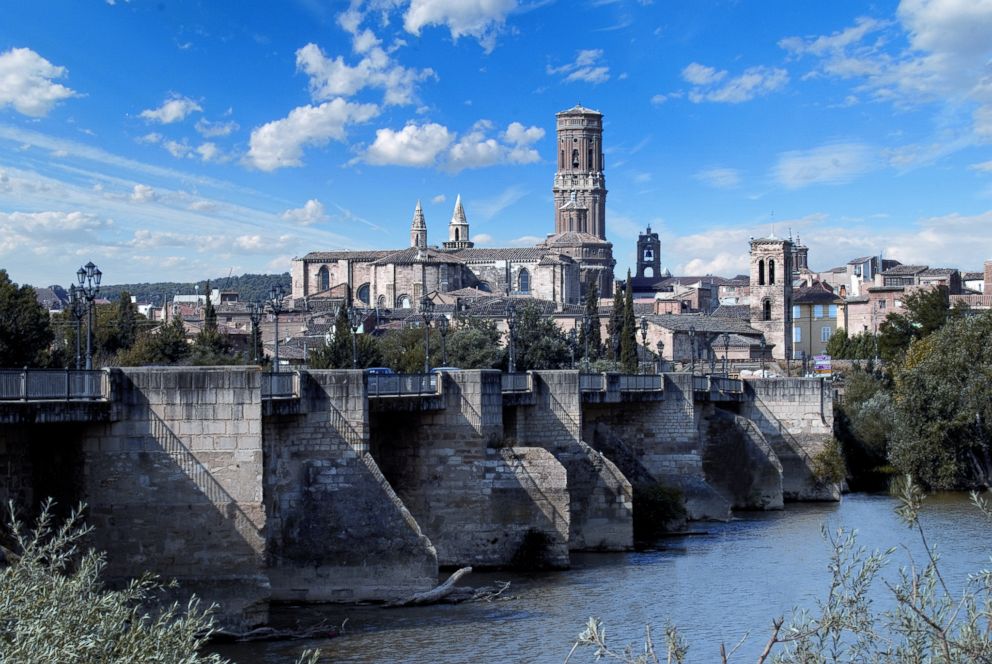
[[336, 486]]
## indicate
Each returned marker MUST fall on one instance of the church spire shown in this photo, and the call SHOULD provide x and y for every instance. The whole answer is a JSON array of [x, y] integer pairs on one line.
[[418, 228], [458, 231]]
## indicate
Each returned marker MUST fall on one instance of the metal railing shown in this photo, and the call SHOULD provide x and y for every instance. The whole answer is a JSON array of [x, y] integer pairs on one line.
[[516, 382], [53, 384], [639, 382], [402, 385], [590, 382], [281, 385], [701, 383], [725, 384]]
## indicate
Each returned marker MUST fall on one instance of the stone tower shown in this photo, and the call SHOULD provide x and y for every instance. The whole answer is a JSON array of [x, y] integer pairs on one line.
[[648, 254], [579, 181], [418, 229], [800, 258], [771, 293], [458, 228], [988, 278]]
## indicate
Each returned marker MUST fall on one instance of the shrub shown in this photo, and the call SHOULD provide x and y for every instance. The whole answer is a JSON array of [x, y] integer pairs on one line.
[[657, 510]]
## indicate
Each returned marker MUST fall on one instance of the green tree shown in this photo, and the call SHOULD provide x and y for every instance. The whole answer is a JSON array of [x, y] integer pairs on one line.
[[211, 347], [165, 345], [540, 343], [592, 316], [403, 350], [926, 311], [615, 325], [628, 333], [127, 321], [943, 404], [476, 343], [25, 329], [839, 345]]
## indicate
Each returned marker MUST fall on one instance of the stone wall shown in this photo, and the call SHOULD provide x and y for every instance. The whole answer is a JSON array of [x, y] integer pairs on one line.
[[474, 496], [739, 462], [337, 530], [795, 415], [601, 508], [657, 441], [174, 486]]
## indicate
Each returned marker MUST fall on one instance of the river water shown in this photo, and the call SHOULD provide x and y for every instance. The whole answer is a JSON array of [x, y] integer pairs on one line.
[[715, 587]]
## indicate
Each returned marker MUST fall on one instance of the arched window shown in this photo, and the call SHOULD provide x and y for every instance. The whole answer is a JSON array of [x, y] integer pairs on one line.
[[761, 272], [381, 302], [589, 162], [363, 293], [523, 281], [323, 279], [575, 158], [561, 162], [403, 302], [766, 310], [485, 287], [649, 271], [458, 234], [771, 271]]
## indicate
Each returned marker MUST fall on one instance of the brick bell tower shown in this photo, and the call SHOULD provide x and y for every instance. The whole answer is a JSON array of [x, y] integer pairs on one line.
[[771, 292], [579, 181]]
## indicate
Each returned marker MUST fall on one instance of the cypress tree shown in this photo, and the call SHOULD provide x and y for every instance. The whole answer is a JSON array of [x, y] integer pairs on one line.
[[592, 315], [628, 332], [616, 323]]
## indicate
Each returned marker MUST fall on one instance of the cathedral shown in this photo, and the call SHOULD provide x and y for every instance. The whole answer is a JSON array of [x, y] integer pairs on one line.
[[560, 269]]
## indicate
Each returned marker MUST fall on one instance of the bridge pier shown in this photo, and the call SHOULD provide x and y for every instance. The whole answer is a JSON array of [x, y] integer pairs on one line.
[[474, 494]]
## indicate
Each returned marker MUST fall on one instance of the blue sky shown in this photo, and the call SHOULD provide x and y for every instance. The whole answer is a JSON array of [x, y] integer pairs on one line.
[[185, 140]]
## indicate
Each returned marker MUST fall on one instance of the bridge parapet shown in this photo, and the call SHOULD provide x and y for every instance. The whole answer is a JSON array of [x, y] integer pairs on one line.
[[615, 388], [55, 395]]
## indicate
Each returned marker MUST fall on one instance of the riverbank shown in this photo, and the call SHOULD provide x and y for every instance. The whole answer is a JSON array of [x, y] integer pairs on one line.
[[715, 587]]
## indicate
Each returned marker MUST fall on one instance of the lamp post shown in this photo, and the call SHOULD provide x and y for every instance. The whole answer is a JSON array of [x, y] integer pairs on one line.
[[726, 351], [88, 279], [692, 349], [762, 345], [78, 310], [661, 356], [255, 316], [275, 304], [615, 344], [644, 337], [511, 324], [426, 310], [573, 341], [354, 321], [442, 327]]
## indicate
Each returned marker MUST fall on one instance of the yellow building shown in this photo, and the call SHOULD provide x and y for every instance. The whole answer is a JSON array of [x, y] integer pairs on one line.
[[815, 311]]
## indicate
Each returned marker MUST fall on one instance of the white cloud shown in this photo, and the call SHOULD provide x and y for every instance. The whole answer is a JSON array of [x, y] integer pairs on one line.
[[945, 59], [174, 109], [333, 77], [311, 213], [142, 193], [835, 163], [525, 241], [176, 148], [698, 74], [440, 198], [482, 19], [478, 149], [209, 152], [210, 129], [153, 137], [280, 143], [26, 83], [984, 167], [586, 67], [712, 85], [482, 239], [721, 178], [414, 145]]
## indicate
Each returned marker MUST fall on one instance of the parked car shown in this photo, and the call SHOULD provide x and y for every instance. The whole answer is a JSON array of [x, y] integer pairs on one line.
[[379, 371], [437, 370]]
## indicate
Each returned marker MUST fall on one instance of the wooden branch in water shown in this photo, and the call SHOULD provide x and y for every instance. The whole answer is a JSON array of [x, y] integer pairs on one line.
[[435, 595]]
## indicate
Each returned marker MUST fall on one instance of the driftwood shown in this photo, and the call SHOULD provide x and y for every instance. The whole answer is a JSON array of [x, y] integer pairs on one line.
[[435, 595], [321, 630]]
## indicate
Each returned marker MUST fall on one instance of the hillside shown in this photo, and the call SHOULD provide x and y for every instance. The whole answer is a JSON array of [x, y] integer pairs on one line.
[[248, 286]]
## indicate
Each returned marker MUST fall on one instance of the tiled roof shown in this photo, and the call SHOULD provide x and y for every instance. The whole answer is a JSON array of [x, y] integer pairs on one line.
[[412, 255], [702, 323], [973, 276], [571, 239], [738, 311], [556, 259], [938, 272], [358, 255], [815, 294], [499, 254], [904, 270], [859, 260]]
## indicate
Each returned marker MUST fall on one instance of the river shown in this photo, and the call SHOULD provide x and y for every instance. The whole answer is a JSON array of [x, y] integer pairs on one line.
[[715, 587]]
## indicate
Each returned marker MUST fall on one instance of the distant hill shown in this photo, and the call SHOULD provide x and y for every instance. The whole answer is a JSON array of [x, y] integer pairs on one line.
[[248, 286]]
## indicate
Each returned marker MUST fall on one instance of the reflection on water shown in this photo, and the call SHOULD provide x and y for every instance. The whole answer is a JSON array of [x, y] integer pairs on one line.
[[715, 587]]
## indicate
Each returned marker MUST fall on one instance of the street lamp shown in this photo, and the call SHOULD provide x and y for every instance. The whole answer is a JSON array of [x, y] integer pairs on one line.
[[661, 356], [644, 336], [442, 327], [354, 321], [78, 310], [255, 316], [586, 331], [511, 324], [88, 278], [573, 341], [762, 345], [426, 310], [275, 304], [726, 351], [692, 348]]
